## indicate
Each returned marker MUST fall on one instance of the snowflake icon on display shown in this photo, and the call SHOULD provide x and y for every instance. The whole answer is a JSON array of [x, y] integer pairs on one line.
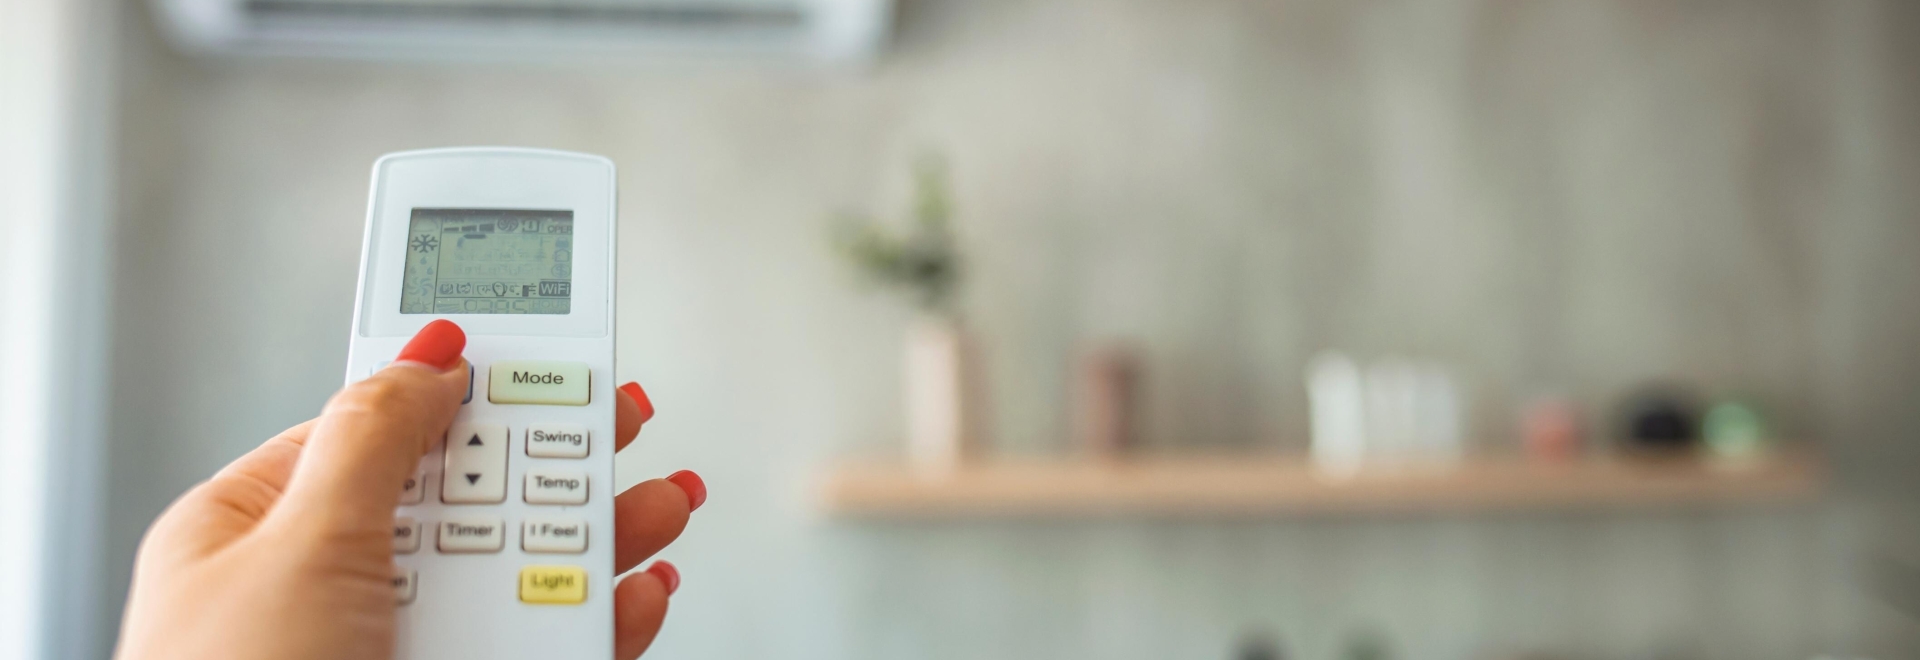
[[425, 243]]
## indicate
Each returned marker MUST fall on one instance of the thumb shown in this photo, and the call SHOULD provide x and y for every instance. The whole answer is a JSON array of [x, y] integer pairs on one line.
[[371, 435]]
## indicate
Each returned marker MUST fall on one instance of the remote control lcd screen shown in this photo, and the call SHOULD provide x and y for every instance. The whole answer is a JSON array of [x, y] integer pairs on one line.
[[488, 261]]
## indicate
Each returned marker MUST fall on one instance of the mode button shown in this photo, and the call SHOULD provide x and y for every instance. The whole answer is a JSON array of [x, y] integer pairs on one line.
[[540, 382]]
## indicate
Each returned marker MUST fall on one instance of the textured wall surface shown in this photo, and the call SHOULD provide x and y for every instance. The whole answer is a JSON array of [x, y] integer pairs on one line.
[[1570, 196]]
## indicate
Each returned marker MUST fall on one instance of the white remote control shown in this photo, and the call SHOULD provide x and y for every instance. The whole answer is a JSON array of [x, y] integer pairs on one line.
[[503, 541]]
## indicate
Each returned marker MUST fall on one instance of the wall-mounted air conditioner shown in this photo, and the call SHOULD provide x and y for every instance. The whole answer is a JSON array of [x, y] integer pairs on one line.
[[813, 30]]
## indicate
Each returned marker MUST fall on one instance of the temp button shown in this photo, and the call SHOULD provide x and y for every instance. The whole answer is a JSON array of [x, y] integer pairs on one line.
[[540, 382]]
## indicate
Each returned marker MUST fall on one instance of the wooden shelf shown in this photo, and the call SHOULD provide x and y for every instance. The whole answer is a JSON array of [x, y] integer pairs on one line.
[[1256, 486]]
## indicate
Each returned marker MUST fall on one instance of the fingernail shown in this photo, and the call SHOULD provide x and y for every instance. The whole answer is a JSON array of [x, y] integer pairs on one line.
[[668, 575], [640, 397], [438, 345], [691, 483]]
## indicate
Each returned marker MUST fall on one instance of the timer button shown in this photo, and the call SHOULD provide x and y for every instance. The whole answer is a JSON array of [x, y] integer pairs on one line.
[[540, 382], [472, 534]]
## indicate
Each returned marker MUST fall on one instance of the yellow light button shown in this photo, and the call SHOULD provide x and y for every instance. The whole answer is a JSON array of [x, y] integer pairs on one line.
[[553, 585], [542, 382]]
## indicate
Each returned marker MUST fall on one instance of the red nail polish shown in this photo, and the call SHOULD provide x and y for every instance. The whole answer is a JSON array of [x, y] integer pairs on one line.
[[691, 483], [668, 575], [438, 345], [639, 396]]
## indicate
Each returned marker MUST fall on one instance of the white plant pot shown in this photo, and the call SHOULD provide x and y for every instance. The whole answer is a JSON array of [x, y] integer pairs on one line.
[[942, 404]]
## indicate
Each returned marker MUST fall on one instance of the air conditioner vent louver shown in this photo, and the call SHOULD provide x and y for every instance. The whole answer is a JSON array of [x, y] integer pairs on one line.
[[707, 15], [812, 30]]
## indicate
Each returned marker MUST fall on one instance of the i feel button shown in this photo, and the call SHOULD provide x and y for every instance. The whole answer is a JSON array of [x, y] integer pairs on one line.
[[538, 382]]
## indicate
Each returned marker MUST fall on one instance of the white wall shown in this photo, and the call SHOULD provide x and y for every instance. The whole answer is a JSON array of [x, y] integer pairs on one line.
[[1567, 195]]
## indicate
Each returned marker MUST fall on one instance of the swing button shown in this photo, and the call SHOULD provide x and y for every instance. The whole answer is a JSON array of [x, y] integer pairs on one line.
[[539, 382]]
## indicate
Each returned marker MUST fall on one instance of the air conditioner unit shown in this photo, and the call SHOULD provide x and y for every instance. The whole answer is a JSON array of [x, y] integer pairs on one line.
[[813, 30]]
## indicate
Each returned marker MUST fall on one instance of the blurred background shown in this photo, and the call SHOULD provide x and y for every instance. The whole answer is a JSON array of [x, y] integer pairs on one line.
[[1231, 328]]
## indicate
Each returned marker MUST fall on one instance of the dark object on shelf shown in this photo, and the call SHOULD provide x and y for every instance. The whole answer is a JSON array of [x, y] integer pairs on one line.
[[1109, 395], [1661, 419]]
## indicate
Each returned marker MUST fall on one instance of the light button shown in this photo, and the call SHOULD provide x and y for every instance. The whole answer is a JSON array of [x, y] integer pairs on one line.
[[553, 585], [541, 382]]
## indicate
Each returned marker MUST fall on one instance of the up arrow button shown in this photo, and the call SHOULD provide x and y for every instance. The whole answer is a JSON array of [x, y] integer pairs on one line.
[[481, 459]]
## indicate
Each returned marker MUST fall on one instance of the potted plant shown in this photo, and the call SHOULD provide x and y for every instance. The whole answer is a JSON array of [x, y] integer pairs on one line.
[[923, 263]]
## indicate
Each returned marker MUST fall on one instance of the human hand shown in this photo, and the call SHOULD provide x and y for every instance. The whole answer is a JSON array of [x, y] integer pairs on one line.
[[286, 554]]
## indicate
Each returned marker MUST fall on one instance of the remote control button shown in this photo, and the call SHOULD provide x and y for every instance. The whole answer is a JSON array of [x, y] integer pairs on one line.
[[553, 585], [557, 441], [415, 490], [553, 535], [556, 487], [472, 534], [538, 382], [406, 536], [403, 585], [470, 369], [476, 465]]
